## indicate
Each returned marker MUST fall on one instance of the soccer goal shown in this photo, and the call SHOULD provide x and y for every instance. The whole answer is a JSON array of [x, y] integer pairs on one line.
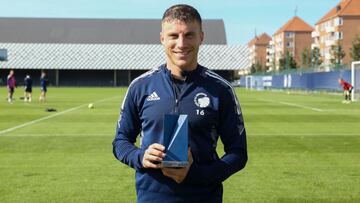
[[249, 82], [355, 80], [254, 82]]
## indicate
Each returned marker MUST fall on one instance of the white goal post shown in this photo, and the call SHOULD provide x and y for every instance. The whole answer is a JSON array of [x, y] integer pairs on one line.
[[355, 80], [249, 82], [257, 82]]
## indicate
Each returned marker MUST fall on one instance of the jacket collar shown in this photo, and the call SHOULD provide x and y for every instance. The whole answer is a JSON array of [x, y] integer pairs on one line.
[[191, 75]]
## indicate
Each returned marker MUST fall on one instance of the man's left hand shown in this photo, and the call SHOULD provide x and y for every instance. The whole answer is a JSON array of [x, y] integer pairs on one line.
[[178, 174]]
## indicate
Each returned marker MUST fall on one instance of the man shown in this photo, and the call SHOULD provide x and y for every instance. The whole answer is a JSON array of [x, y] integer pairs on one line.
[[43, 86], [181, 86], [347, 88], [28, 88], [11, 85]]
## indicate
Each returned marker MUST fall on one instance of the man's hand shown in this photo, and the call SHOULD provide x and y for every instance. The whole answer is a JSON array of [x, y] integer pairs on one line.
[[153, 156], [178, 174]]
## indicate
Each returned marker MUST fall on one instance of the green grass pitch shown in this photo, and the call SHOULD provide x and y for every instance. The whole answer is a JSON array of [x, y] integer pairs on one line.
[[303, 147]]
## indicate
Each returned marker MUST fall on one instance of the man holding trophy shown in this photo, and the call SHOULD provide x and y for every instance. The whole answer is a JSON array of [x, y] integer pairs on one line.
[[180, 110]]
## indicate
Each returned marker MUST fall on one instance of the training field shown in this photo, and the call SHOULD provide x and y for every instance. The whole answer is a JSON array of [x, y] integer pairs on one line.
[[303, 147]]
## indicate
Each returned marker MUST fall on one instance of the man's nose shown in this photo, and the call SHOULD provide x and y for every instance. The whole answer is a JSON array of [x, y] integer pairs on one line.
[[181, 41]]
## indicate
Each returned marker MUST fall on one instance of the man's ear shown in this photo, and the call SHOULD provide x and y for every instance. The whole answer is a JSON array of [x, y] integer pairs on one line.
[[202, 35], [161, 38]]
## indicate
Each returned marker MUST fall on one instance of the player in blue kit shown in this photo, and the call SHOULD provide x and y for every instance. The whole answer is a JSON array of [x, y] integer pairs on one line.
[[181, 86]]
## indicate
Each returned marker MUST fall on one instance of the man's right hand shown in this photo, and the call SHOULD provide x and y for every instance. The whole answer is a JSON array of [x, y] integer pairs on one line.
[[153, 156]]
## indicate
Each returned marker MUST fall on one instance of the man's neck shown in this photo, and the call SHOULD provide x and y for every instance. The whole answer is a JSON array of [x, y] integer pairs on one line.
[[178, 73]]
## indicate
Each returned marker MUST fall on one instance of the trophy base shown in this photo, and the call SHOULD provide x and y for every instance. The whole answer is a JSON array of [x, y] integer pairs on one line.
[[174, 164]]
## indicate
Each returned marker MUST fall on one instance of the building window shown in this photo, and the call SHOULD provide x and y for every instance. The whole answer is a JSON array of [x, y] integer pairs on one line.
[[338, 21], [333, 36], [339, 35], [289, 44], [3, 54], [328, 23], [289, 34]]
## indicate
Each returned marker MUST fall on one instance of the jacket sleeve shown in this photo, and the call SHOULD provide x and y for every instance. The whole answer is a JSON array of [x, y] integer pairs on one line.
[[127, 129], [233, 135]]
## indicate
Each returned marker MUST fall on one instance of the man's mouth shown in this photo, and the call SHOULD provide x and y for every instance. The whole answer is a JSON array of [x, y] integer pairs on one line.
[[181, 53]]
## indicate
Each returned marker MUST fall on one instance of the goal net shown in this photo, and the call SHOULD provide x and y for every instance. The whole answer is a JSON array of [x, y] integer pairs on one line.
[[355, 80]]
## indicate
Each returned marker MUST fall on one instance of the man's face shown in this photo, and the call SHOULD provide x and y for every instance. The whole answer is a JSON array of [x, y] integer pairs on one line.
[[181, 41]]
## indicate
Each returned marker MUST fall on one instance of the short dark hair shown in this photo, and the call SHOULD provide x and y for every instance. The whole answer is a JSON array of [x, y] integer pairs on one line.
[[182, 12]]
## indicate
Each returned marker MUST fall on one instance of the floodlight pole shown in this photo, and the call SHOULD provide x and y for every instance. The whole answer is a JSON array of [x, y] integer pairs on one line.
[[57, 77], [115, 77], [129, 77]]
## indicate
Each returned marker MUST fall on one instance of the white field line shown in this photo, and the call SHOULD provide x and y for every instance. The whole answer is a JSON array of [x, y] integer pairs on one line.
[[249, 134], [305, 134], [50, 116], [64, 135], [294, 105]]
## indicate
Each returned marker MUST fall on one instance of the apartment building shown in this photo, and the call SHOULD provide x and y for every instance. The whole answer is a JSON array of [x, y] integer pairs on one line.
[[339, 26], [257, 50], [293, 37]]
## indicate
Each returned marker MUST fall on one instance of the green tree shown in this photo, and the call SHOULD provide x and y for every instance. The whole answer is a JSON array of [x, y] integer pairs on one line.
[[287, 61], [290, 62], [281, 63], [257, 67], [273, 64], [315, 57], [253, 68], [355, 49], [305, 58], [337, 54]]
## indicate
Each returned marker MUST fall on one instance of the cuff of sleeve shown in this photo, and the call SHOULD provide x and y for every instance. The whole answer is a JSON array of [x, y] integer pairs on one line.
[[141, 153]]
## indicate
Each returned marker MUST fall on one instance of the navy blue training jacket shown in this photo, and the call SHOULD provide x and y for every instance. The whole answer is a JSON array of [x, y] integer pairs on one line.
[[213, 111]]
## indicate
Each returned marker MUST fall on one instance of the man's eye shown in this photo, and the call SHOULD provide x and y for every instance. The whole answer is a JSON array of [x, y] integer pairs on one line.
[[173, 36], [189, 36]]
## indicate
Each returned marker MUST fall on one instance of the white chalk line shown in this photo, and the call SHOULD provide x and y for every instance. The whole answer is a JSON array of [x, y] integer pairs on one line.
[[248, 133], [293, 105], [65, 135], [304, 134], [50, 116]]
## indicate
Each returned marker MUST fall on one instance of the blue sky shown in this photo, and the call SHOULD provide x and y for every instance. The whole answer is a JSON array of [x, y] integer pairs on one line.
[[241, 17]]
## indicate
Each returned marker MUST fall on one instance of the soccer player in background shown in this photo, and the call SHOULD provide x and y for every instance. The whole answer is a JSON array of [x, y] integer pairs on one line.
[[181, 86], [347, 88], [28, 88], [11, 85], [43, 86]]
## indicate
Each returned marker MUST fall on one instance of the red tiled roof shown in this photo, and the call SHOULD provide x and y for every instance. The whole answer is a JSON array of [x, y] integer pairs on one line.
[[344, 8], [263, 39], [253, 41], [295, 24]]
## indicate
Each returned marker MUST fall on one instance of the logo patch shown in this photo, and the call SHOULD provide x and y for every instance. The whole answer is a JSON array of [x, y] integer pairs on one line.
[[153, 97], [202, 100]]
